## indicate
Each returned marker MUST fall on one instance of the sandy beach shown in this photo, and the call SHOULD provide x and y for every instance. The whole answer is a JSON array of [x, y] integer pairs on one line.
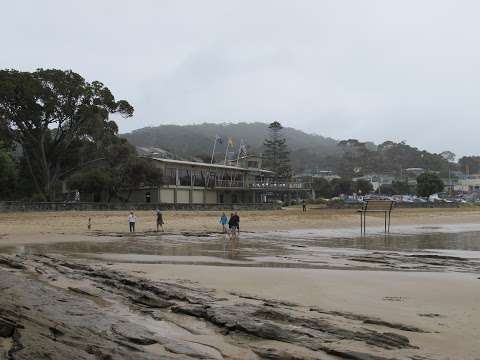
[[293, 286], [25, 227]]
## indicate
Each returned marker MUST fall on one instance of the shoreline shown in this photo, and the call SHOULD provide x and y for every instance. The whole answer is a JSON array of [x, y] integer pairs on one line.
[[40, 227]]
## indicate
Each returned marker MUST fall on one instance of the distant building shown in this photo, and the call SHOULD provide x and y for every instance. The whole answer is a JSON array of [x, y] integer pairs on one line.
[[154, 152], [377, 180], [413, 172], [187, 182], [312, 174], [467, 183]]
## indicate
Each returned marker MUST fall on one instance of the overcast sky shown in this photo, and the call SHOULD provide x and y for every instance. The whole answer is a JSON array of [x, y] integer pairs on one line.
[[373, 70]]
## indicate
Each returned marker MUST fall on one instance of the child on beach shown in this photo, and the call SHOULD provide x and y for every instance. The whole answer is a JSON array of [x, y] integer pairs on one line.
[[160, 222], [223, 221], [132, 219]]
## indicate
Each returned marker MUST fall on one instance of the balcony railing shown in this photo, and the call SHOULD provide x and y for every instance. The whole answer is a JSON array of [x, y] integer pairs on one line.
[[229, 184], [267, 185], [279, 185]]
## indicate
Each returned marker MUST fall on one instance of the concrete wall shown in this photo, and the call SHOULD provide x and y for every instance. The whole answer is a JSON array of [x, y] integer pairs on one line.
[[197, 196], [183, 196], [210, 197], [167, 196], [235, 197]]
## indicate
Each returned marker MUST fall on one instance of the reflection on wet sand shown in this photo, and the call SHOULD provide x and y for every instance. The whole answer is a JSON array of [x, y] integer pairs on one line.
[[267, 249]]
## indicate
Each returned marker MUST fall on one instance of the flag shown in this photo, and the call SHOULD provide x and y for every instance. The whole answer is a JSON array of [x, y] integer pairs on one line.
[[218, 139], [230, 141], [242, 151]]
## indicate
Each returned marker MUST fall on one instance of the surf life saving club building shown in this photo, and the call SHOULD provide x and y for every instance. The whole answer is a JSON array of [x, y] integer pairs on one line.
[[239, 181]]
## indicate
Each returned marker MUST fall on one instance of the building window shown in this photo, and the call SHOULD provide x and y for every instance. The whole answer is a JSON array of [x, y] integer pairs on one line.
[[198, 177], [184, 177], [210, 177], [171, 176]]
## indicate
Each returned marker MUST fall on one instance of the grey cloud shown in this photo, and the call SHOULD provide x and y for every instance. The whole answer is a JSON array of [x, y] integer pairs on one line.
[[374, 70]]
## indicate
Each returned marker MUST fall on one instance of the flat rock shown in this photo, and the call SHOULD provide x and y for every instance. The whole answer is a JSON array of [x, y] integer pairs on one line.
[[134, 333], [151, 301], [194, 350]]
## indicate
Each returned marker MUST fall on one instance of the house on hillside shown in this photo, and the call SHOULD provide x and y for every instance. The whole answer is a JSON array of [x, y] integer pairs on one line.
[[188, 182], [413, 172], [467, 183], [311, 174]]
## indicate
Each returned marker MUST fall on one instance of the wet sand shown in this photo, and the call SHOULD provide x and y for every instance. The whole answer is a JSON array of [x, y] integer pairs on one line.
[[17, 228], [411, 295], [447, 305]]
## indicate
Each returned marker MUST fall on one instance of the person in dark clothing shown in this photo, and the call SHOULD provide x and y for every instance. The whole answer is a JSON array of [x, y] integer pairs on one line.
[[233, 223], [159, 217], [237, 222], [304, 206]]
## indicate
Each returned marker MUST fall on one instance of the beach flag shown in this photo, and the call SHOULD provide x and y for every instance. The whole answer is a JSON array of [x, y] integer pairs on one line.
[[242, 151], [218, 140], [230, 141]]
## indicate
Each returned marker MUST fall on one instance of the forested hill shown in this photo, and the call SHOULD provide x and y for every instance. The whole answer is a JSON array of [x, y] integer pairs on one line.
[[190, 141], [307, 151]]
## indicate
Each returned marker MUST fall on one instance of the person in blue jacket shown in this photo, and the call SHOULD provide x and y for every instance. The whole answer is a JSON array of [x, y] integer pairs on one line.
[[223, 221]]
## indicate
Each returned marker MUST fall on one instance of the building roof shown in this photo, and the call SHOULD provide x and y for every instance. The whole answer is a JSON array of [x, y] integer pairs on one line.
[[206, 165]]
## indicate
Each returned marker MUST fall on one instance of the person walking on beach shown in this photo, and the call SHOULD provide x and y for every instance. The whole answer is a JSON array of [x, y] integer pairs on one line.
[[304, 206], [132, 219], [160, 222], [237, 222], [223, 221], [232, 226]]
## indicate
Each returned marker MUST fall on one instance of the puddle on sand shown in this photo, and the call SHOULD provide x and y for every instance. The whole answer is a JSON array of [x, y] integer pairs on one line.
[[465, 242], [148, 248], [219, 249]]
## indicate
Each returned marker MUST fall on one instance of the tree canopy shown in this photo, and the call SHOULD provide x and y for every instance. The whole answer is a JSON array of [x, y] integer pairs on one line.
[[469, 164], [60, 120], [363, 187], [342, 186], [276, 155], [322, 187], [429, 183], [8, 173]]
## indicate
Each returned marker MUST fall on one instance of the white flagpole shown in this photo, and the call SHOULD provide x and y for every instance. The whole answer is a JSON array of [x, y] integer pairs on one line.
[[226, 152], [213, 152], [239, 151]]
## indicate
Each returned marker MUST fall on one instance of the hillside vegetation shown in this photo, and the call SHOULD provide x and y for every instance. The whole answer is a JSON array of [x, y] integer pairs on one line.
[[348, 158], [197, 140]]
